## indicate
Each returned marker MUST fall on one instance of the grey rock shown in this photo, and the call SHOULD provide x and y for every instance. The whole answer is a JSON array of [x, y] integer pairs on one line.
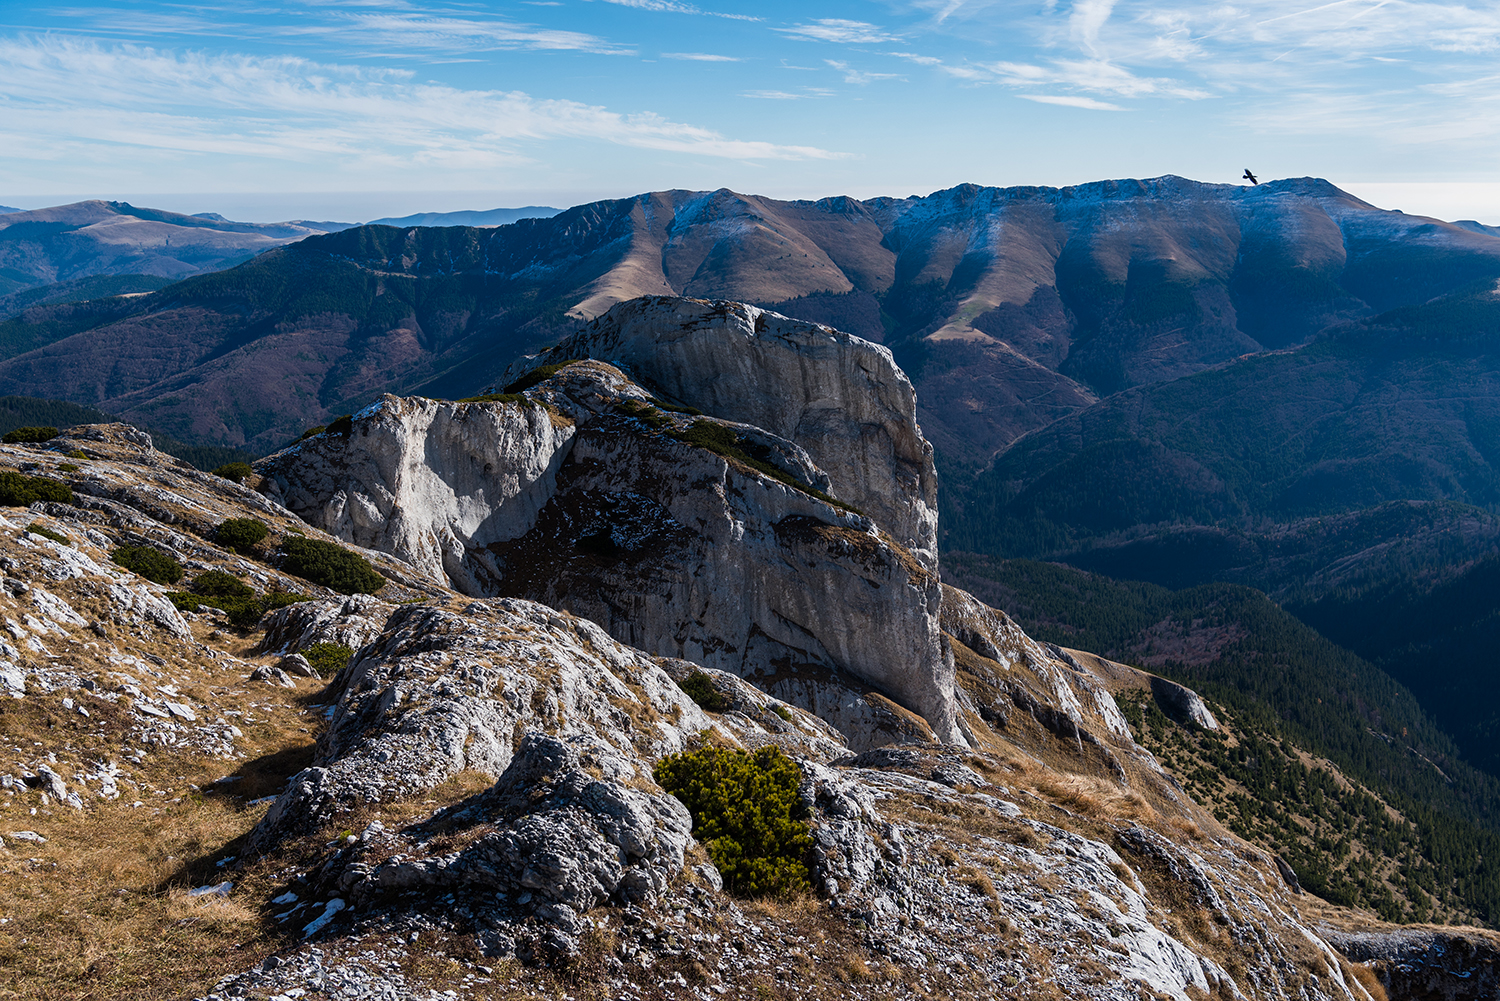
[[272, 676], [838, 396], [295, 663], [1182, 703]]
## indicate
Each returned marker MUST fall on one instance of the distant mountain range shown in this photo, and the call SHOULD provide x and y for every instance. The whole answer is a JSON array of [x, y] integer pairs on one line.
[[487, 217], [1010, 307], [115, 238]]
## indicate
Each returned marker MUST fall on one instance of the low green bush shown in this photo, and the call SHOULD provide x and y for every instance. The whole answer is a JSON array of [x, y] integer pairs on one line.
[[218, 584], [327, 659], [495, 398], [29, 436], [313, 431], [646, 414], [236, 471], [47, 533], [702, 691], [281, 599], [329, 565], [241, 534], [149, 562], [67, 467], [233, 596], [537, 375], [20, 490], [748, 815], [725, 441], [341, 425]]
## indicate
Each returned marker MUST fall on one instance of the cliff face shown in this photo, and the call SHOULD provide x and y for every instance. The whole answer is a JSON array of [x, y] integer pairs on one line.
[[427, 482], [713, 540], [842, 398]]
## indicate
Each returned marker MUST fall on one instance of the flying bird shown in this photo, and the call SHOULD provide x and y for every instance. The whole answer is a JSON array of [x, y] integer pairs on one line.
[[1249, 177]]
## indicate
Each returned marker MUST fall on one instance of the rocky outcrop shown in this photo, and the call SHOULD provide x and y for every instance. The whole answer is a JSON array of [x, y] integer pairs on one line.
[[840, 397], [443, 691], [1425, 963], [428, 482], [643, 521]]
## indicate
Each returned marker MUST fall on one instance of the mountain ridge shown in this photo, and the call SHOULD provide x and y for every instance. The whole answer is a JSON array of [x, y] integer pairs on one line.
[[1010, 307]]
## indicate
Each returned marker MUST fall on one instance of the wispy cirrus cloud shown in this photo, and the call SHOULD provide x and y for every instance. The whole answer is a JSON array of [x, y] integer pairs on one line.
[[859, 77], [833, 29], [67, 94], [1072, 102], [700, 57], [676, 7]]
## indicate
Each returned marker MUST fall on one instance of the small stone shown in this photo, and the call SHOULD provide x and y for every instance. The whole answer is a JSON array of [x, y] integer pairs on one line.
[[273, 676], [295, 663]]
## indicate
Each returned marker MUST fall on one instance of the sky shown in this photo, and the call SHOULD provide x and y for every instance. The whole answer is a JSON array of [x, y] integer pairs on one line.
[[354, 109]]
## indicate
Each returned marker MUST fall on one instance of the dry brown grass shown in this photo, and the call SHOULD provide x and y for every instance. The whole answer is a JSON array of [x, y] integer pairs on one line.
[[1367, 979]]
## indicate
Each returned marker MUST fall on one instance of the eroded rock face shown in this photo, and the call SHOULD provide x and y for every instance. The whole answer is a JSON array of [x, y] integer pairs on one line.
[[442, 692], [429, 482], [679, 551], [840, 397], [623, 516]]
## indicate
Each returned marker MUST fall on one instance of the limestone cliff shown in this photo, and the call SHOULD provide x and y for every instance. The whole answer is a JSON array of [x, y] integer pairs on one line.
[[840, 397], [691, 537]]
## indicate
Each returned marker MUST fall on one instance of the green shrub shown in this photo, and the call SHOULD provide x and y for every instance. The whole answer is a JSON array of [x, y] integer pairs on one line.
[[47, 533], [702, 691], [647, 415], [67, 467], [149, 562], [783, 712], [29, 436], [78, 453], [537, 375], [19, 490], [341, 425], [313, 431], [236, 471], [281, 599], [495, 398], [723, 440], [218, 584], [327, 659], [747, 813], [185, 601], [235, 598], [241, 534], [330, 565], [675, 408]]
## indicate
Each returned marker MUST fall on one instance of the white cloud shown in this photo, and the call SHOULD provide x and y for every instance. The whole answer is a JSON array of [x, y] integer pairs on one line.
[[857, 76], [834, 29], [68, 95], [700, 57], [675, 7], [1071, 102], [805, 94], [404, 30]]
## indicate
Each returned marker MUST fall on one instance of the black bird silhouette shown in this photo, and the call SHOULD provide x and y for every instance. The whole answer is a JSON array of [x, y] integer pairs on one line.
[[1249, 177]]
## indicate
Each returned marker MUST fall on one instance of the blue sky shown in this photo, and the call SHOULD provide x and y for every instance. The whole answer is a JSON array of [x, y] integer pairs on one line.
[[346, 109]]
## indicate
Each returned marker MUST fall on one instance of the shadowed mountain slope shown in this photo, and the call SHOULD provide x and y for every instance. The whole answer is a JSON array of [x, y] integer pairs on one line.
[[116, 238], [1009, 307]]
